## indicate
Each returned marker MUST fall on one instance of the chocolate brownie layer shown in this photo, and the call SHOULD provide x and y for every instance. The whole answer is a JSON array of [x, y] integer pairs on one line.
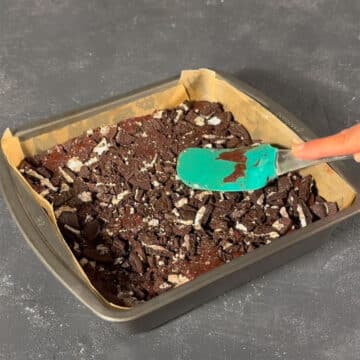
[[135, 228]]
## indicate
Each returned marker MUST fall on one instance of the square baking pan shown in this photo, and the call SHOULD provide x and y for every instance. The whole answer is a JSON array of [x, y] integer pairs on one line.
[[49, 246]]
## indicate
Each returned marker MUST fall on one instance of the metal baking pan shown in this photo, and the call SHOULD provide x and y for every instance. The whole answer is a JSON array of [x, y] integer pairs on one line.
[[40, 235]]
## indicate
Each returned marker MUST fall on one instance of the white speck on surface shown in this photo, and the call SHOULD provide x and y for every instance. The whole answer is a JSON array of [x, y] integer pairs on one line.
[[48, 184], [65, 175], [214, 121], [150, 164], [175, 212], [35, 317], [85, 196], [104, 130], [109, 232], [260, 200], [6, 84], [340, 259], [153, 222], [179, 113], [213, 2], [34, 174], [184, 222], [277, 225], [273, 235], [73, 230], [165, 285], [158, 114], [199, 121], [83, 261], [302, 217], [74, 164], [6, 285], [184, 107], [241, 227], [119, 197], [186, 243], [102, 249], [227, 245], [64, 208], [180, 203], [200, 196], [198, 217], [102, 147], [88, 218], [64, 187], [118, 261], [156, 184], [154, 247], [91, 161], [177, 279], [283, 212], [209, 136], [43, 181]]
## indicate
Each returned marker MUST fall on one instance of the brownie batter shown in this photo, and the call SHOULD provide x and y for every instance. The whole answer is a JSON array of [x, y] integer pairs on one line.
[[136, 230], [238, 157]]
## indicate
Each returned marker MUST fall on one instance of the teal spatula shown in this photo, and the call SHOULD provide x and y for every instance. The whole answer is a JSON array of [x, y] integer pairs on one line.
[[240, 169]]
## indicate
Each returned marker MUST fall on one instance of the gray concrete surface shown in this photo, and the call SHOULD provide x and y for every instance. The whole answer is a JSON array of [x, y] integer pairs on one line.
[[58, 55]]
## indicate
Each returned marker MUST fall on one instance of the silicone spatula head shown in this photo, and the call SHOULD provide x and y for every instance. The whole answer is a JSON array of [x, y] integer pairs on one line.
[[241, 169]]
